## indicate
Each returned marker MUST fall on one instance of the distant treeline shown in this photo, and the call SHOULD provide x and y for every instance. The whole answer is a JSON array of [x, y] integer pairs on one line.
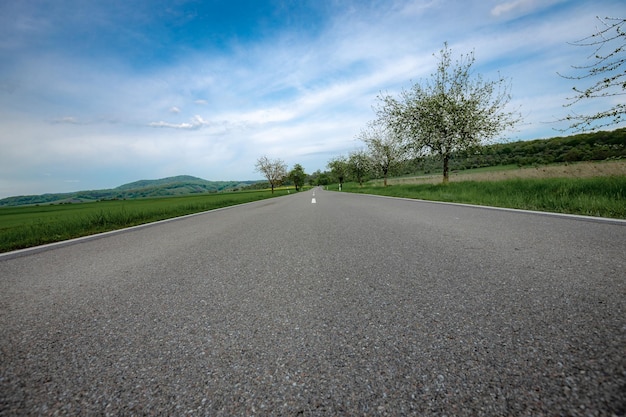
[[596, 146]]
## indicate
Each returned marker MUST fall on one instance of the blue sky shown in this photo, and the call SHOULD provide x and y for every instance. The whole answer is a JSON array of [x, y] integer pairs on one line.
[[95, 94]]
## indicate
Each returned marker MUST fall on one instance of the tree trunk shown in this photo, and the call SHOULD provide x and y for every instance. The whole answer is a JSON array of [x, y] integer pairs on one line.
[[446, 159]]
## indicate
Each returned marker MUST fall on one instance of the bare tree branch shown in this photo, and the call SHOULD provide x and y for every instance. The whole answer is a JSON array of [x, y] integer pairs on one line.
[[607, 72]]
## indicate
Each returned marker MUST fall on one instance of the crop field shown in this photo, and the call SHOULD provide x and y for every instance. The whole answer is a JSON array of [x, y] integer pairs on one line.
[[592, 189], [22, 227]]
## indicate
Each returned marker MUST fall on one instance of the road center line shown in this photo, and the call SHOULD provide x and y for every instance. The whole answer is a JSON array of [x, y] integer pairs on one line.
[[313, 201]]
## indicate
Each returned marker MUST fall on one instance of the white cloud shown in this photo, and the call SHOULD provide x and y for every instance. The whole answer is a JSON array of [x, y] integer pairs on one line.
[[521, 7], [196, 123], [67, 119], [505, 8], [173, 125], [210, 127], [174, 110]]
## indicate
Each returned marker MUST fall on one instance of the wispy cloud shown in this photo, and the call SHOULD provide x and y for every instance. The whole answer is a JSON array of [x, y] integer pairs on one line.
[[505, 8], [518, 7], [174, 125], [196, 122], [67, 119]]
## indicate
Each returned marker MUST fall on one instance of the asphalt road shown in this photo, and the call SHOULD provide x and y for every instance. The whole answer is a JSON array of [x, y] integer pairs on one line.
[[352, 305]]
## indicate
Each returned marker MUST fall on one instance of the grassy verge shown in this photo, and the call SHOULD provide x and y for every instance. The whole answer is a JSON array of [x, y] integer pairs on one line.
[[600, 196], [22, 227], [502, 172]]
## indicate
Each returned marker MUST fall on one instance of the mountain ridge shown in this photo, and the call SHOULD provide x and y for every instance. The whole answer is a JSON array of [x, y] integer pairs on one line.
[[163, 187]]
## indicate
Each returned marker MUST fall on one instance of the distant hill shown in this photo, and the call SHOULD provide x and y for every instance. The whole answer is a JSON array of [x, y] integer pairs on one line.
[[181, 179], [164, 187]]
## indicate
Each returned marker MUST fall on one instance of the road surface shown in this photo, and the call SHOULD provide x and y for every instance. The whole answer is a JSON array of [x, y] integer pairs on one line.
[[322, 303]]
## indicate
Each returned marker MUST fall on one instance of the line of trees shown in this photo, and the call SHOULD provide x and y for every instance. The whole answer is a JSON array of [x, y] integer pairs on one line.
[[595, 146], [359, 167], [275, 171]]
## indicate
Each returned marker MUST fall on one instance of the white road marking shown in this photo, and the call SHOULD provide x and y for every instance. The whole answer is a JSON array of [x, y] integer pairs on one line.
[[313, 201]]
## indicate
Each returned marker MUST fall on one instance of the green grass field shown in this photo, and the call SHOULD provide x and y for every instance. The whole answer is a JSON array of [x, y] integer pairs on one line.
[[22, 227], [597, 196]]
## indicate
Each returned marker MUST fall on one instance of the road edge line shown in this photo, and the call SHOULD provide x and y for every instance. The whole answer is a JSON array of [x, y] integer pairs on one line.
[[621, 222]]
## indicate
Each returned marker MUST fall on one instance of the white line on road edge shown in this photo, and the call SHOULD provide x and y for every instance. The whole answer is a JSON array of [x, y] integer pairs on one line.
[[542, 213]]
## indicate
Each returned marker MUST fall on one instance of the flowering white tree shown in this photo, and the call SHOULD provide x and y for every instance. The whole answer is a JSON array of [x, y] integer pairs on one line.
[[273, 169], [386, 148], [455, 110], [359, 165]]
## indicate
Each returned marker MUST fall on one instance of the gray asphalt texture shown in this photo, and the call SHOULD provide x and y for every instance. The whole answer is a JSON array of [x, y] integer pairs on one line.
[[354, 305]]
